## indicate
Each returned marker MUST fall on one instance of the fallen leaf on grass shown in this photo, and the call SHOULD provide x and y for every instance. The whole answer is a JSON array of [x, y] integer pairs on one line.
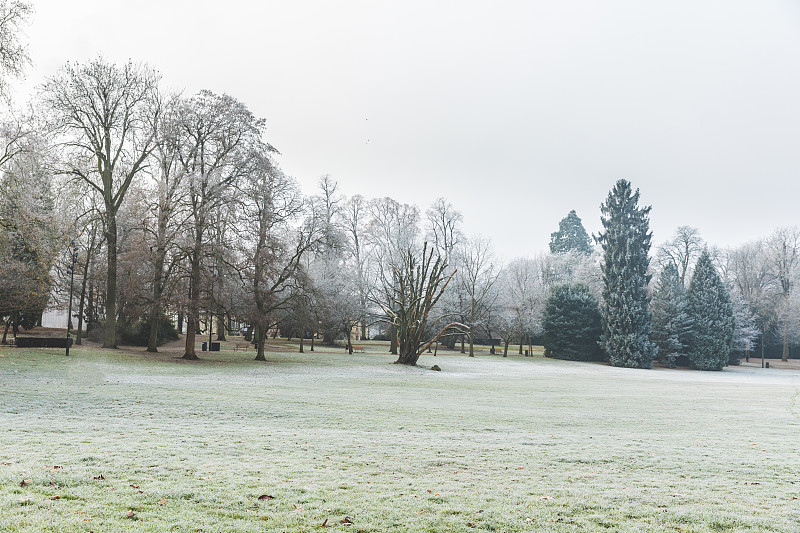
[[135, 485], [130, 514], [547, 497], [298, 508], [266, 497], [347, 520], [324, 524], [163, 501], [56, 497], [25, 482], [99, 478], [472, 524]]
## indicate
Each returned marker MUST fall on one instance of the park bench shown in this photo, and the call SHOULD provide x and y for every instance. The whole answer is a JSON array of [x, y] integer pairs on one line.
[[358, 349], [241, 346]]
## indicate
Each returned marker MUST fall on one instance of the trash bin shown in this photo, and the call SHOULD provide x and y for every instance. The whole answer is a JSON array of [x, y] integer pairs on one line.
[[526, 353], [767, 364], [214, 346], [204, 346]]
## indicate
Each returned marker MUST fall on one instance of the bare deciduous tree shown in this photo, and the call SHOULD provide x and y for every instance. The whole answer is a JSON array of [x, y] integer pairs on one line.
[[106, 116], [217, 134], [13, 53], [415, 286], [478, 272], [683, 249], [783, 250]]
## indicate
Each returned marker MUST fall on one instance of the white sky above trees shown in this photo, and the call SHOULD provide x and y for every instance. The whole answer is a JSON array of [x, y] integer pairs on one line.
[[517, 112]]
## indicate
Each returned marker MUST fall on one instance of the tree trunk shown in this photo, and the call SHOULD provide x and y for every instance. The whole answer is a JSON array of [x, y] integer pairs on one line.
[[301, 342], [436, 349], [393, 340], [192, 317], [520, 344], [505, 349], [180, 322], [5, 331], [220, 325], [81, 303], [785, 355], [463, 350], [312, 341], [155, 327], [110, 334], [155, 310], [410, 359], [90, 307], [471, 352], [261, 336]]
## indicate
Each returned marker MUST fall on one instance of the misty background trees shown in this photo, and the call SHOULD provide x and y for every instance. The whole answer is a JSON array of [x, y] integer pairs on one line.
[[186, 223]]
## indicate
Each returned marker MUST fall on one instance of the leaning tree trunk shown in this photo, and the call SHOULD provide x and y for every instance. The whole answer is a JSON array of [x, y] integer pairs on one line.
[[348, 332]]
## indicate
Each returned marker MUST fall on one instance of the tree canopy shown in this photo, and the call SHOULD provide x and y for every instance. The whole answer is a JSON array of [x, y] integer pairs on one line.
[[571, 236]]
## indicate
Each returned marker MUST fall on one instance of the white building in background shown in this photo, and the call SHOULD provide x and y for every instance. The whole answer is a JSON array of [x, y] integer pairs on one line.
[[54, 318]]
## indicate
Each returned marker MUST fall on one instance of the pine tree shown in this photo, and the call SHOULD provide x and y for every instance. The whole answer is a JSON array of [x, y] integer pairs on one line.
[[711, 311], [571, 324], [625, 311], [671, 322], [571, 236]]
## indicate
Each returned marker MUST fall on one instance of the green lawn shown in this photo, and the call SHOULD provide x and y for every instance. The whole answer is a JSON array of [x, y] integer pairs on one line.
[[114, 441]]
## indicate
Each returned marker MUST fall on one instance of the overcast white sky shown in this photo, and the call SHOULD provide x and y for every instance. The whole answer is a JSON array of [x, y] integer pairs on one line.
[[516, 111]]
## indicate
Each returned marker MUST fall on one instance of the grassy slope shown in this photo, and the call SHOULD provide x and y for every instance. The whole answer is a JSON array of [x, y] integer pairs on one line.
[[495, 444]]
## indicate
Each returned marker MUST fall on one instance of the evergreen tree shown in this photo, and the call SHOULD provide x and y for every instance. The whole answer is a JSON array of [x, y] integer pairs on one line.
[[571, 236], [625, 312], [711, 312], [571, 324], [671, 322]]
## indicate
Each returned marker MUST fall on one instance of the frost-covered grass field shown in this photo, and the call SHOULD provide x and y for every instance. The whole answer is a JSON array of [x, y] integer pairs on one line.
[[117, 441]]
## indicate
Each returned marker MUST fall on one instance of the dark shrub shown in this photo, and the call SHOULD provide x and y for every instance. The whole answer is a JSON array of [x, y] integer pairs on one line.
[[138, 333], [571, 324]]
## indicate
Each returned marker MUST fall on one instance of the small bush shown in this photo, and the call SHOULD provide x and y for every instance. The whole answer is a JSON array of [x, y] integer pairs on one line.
[[571, 324]]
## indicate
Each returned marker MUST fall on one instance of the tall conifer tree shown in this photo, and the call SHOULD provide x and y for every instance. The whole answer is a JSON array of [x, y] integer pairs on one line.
[[711, 311], [671, 322], [625, 310]]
